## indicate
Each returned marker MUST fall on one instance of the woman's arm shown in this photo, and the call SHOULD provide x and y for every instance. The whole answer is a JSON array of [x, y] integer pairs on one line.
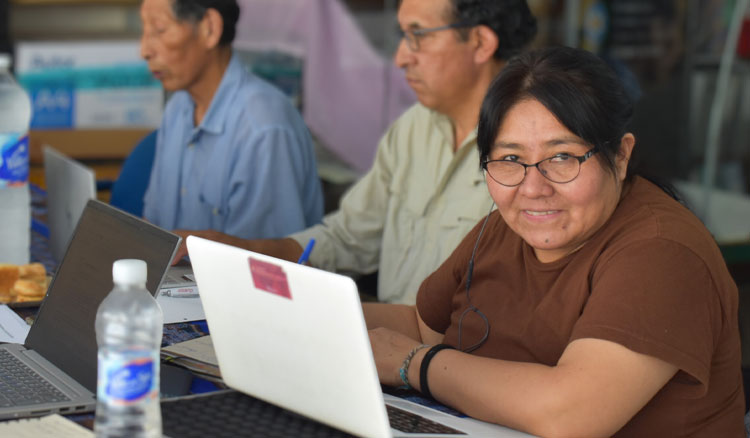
[[595, 388], [394, 331], [400, 318], [397, 317]]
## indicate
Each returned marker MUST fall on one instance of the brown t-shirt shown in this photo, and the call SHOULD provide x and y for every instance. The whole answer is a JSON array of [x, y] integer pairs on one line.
[[652, 279]]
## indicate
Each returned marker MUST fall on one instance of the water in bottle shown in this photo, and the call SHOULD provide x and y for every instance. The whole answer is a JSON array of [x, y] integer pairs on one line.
[[15, 209], [128, 333]]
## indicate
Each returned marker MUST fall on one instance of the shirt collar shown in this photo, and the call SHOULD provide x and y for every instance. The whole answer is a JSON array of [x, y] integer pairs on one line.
[[215, 117], [445, 127]]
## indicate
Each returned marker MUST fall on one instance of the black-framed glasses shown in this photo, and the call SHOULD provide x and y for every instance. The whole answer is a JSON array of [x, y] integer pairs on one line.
[[561, 168], [412, 36]]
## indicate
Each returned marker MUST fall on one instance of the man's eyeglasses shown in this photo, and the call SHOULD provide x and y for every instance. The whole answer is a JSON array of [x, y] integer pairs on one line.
[[412, 36], [561, 168]]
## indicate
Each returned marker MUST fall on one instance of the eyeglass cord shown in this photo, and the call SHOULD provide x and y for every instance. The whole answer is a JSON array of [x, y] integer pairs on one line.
[[471, 307]]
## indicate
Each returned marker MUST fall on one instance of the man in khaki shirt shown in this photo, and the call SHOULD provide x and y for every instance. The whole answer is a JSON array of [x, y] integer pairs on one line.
[[425, 190]]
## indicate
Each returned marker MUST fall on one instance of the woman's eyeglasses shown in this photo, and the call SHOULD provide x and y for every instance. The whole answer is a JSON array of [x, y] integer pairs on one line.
[[561, 168]]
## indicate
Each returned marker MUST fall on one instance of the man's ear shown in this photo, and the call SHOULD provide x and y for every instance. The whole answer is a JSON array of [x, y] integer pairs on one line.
[[485, 42], [211, 27]]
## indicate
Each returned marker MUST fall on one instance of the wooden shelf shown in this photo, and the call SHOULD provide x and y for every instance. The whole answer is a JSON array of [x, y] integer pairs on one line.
[[87, 144], [74, 2]]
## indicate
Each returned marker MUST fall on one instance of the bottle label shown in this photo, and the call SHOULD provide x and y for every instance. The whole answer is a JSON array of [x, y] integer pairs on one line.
[[126, 378], [14, 159]]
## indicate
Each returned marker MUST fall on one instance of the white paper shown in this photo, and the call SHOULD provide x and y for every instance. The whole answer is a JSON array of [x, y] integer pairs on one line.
[[180, 309], [13, 328], [51, 426]]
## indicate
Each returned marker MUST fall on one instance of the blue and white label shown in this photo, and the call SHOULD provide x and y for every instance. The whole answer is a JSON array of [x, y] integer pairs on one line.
[[128, 378], [64, 95], [53, 106], [14, 159]]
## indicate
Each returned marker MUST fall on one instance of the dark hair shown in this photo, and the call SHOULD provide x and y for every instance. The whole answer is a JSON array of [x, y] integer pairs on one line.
[[511, 20], [194, 10], [578, 88]]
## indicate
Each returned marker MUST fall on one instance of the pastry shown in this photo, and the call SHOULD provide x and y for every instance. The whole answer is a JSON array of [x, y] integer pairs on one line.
[[32, 271], [8, 277], [28, 289]]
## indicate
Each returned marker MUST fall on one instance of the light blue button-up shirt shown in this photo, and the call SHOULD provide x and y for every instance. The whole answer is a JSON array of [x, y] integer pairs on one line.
[[247, 170]]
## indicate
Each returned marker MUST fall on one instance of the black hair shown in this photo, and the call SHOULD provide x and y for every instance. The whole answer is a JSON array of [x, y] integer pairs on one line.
[[194, 10], [578, 88], [511, 20]]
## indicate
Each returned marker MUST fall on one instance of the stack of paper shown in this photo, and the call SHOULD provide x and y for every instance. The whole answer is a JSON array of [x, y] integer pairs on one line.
[[197, 355]]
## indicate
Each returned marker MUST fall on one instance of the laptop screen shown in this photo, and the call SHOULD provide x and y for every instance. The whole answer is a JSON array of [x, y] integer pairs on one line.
[[70, 185], [64, 328]]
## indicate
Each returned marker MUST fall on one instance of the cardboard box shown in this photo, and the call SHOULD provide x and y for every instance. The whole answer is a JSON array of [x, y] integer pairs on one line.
[[89, 84]]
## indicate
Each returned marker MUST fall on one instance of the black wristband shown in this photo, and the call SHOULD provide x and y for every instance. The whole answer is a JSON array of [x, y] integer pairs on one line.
[[423, 386]]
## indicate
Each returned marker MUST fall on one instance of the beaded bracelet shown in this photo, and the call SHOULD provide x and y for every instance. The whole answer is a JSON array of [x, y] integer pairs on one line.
[[403, 372], [423, 386]]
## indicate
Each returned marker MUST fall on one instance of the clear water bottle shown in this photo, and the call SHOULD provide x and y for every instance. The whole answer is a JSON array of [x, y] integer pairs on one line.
[[128, 333], [15, 202]]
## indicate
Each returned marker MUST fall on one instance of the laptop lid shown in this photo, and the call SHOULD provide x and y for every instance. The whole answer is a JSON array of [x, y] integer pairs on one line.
[[295, 337], [291, 335], [70, 185], [63, 331]]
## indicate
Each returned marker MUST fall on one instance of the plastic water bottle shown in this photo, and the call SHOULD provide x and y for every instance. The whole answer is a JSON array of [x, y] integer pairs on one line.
[[15, 209], [128, 333]]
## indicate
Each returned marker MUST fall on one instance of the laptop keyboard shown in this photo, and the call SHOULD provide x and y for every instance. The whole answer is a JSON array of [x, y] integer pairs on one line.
[[20, 385], [408, 422], [172, 279], [233, 414]]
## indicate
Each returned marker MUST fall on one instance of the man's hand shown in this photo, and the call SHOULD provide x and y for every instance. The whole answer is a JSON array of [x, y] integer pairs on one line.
[[286, 248], [206, 234]]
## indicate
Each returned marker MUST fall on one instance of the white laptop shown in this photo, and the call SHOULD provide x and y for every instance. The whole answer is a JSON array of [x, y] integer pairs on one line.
[[70, 185], [295, 336]]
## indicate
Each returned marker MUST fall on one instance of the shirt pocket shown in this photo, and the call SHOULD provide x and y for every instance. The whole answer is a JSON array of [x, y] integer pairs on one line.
[[399, 229], [463, 211], [210, 200]]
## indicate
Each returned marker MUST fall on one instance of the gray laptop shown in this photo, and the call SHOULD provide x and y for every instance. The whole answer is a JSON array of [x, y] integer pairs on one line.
[[61, 345], [70, 185], [294, 336]]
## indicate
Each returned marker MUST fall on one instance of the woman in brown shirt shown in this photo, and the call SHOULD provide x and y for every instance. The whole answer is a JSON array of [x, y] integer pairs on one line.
[[591, 303]]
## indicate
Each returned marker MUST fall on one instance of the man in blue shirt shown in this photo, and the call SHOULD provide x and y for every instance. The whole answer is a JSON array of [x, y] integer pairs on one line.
[[232, 153]]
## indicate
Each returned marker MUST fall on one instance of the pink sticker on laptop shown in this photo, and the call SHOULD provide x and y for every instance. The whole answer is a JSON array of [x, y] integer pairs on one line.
[[269, 278]]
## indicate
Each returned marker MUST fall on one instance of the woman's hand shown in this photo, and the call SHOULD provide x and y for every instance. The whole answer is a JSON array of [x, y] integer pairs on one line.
[[390, 348]]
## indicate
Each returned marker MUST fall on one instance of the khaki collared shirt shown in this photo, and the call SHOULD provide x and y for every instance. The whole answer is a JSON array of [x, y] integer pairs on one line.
[[409, 212]]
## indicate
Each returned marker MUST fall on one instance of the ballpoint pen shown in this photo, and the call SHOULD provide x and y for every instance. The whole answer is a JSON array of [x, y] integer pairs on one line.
[[306, 253], [188, 292]]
